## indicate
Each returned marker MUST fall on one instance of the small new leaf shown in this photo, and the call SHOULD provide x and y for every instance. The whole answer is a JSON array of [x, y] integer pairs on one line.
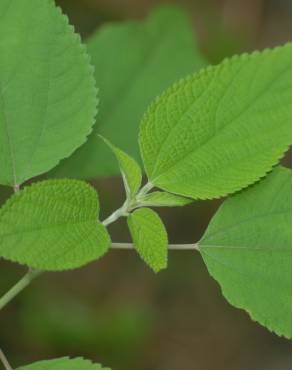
[[248, 247], [52, 225], [63, 364], [163, 199], [221, 129], [149, 237], [131, 171]]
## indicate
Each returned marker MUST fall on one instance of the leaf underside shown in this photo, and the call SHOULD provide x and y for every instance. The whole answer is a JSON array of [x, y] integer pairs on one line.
[[221, 129], [52, 225], [134, 62], [248, 248], [63, 364], [149, 237], [47, 90]]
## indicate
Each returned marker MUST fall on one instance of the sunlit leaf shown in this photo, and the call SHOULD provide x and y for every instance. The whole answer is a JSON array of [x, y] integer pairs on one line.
[[221, 129]]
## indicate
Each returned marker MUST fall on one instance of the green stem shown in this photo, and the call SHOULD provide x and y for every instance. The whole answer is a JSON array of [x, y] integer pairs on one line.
[[116, 215], [128, 206], [145, 189], [178, 247], [4, 361], [18, 287]]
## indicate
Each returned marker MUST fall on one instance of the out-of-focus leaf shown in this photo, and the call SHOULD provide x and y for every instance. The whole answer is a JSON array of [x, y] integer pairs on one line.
[[134, 62], [64, 363]]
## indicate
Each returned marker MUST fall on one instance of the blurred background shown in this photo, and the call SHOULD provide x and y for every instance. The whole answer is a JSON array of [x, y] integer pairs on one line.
[[116, 311]]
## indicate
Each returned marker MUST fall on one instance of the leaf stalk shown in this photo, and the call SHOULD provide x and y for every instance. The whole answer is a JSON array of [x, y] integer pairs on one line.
[[18, 287], [4, 361], [179, 247]]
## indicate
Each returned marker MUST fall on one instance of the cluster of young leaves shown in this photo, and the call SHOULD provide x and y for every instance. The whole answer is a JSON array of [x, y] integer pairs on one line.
[[209, 135]]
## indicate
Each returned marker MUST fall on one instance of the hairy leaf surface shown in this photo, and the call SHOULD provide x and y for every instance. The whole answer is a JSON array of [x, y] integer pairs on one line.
[[47, 89], [63, 364], [52, 225], [134, 62], [163, 199], [221, 129], [248, 250], [131, 171], [149, 237]]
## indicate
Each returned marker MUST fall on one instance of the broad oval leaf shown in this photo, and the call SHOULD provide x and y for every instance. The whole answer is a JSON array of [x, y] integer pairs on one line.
[[53, 225], [47, 90], [64, 363], [134, 62], [149, 237], [222, 129], [248, 250]]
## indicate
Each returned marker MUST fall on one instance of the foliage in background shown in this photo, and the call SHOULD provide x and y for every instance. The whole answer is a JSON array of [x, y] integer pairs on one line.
[[64, 363], [134, 62]]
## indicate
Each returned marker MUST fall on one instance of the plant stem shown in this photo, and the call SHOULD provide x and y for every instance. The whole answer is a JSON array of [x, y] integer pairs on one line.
[[18, 287], [179, 247], [128, 206], [145, 189], [4, 361], [32, 274], [122, 211], [116, 215], [16, 188]]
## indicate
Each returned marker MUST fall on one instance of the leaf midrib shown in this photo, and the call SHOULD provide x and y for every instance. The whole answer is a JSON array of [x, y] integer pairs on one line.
[[244, 110]]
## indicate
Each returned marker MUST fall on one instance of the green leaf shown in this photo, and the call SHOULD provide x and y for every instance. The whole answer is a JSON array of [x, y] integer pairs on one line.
[[52, 225], [248, 248], [149, 237], [134, 62], [47, 90], [63, 364], [5, 193], [222, 129], [131, 171], [163, 199]]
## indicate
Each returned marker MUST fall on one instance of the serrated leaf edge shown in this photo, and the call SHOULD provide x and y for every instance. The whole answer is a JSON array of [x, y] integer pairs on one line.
[[199, 75]]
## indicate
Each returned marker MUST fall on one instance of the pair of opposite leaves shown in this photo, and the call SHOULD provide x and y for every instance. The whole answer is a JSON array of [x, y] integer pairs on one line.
[[209, 135]]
